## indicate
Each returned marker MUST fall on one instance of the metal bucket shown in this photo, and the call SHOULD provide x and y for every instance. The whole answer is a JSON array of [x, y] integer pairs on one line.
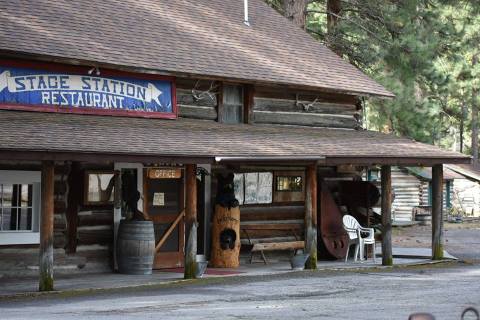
[[201, 266], [298, 261], [135, 247]]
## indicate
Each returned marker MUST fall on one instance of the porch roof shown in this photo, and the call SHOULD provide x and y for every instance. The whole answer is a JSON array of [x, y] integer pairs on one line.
[[54, 136]]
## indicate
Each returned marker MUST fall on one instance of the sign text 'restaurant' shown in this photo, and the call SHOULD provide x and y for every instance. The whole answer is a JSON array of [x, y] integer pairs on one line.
[[34, 87]]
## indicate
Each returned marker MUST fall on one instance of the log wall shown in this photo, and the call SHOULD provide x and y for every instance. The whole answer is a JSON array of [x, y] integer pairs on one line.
[[93, 250], [204, 108], [270, 105], [275, 222], [305, 109]]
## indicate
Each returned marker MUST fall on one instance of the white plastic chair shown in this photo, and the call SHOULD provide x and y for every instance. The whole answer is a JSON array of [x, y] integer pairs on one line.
[[359, 236], [350, 224]]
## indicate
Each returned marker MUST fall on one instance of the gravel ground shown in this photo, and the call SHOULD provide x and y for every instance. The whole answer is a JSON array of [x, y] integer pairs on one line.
[[389, 294], [395, 294], [461, 239]]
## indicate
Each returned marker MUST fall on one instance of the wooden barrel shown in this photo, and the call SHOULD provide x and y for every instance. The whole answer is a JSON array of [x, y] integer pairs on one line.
[[135, 247]]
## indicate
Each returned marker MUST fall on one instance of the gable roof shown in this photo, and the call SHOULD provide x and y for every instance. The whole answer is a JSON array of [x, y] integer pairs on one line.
[[179, 37]]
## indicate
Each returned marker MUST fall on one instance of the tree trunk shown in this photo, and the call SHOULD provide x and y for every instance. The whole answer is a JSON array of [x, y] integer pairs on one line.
[[334, 8], [295, 10], [333, 12], [462, 127], [475, 119]]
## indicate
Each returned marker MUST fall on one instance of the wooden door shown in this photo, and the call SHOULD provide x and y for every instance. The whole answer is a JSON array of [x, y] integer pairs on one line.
[[164, 204]]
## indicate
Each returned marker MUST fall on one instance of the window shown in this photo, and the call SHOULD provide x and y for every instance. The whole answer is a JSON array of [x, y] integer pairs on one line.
[[289, 186], [19, 207], [232, 104], [289, 183], [253, 187], [99, 187]]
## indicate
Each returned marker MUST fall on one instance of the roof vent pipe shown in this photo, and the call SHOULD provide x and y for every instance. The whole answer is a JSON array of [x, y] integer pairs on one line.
[[245, 9]]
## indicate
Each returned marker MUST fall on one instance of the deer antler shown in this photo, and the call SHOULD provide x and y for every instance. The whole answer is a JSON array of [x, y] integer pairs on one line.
[[305, 106], [202, 94]]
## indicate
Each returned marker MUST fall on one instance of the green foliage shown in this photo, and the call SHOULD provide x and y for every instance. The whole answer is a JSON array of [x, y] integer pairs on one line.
[[421, 50]]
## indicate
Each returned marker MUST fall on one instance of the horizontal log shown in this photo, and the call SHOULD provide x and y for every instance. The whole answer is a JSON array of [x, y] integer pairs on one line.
[[278, 246], [269, 233], [282, 105], [268, 225], [245, 241], [195, 112], [292, 94], [59, 223], [254, 213], [102, 237], [185, 97], [302, 119], [96, 218]]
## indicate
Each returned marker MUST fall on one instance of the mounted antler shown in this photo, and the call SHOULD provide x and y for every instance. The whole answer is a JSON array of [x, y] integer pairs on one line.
[[202, 94], [305, 106]]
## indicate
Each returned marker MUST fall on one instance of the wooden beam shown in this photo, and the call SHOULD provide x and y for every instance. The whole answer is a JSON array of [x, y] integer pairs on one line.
[[387, 258], [279, 245], [197, 112], [305, 119], [311, 216], [170, 229], [248, 103], [437, 212], [393, 161], [46, 228], [191, 221], [98, 157]]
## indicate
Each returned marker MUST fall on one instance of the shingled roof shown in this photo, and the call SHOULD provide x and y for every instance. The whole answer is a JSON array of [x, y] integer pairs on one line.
[[179, 37], [50, 133]]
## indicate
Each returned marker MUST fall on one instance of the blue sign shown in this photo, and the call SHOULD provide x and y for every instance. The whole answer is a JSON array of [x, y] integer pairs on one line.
[[34, 87]]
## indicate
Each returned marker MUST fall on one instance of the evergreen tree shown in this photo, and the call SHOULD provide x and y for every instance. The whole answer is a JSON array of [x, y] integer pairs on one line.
[[424, 51]]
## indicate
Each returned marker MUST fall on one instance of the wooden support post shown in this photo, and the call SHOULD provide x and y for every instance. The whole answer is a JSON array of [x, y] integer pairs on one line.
[[73, 203], [387, 259], [311, 216], [437, 214], [191, 221], [46, 228]]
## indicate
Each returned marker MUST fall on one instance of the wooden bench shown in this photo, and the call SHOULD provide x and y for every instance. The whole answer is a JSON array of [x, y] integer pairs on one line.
[[291, 226]]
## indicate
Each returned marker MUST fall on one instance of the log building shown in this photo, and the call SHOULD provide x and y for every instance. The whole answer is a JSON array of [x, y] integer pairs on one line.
[[105, 101]]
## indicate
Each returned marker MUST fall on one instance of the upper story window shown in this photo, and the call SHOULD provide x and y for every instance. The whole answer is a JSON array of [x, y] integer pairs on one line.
[[19, 207], [232, 104]]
